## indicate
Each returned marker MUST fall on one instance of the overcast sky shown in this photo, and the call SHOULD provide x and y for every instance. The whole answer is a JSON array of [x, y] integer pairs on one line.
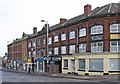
[[18, 16]]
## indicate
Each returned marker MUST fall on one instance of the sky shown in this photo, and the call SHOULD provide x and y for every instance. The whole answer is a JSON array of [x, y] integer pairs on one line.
[[18, 16]]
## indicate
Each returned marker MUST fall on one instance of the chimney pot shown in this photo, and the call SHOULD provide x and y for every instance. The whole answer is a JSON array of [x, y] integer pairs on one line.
[[34, 30], [62, 21], [87, 10]]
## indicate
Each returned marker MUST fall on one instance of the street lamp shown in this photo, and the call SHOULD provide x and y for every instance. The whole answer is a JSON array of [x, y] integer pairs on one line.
[[47, 38]]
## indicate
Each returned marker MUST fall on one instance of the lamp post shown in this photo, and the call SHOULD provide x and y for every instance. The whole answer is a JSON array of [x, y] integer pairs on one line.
[[47, 39]]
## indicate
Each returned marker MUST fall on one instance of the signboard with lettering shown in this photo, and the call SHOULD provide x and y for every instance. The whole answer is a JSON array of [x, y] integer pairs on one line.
[[114, 36], [29, 60], [98, 37]]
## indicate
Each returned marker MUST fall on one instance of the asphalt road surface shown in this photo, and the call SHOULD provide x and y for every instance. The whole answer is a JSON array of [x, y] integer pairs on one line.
[[23, 77]]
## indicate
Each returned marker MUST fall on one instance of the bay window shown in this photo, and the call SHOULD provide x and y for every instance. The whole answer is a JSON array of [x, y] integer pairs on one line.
[[97, 47]]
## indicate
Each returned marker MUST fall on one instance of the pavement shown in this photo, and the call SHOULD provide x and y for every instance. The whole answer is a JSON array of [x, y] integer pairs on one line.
[[71, 76]]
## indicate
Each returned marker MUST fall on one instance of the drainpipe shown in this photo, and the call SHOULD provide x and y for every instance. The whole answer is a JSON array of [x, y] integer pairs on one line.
[[77, 39]]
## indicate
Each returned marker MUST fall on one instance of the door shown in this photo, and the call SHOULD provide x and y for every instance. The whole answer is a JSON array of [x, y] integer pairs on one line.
[[72, 66]]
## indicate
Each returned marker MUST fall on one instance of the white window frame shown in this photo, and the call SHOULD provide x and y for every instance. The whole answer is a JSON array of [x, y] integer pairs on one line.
[[49, 40], [29, 44], [56, 50], [34, 44], [63, 36], [82, 32], [72, 34], [96, 48], [115, 48], [82, 48], [63, 49], [56, 38], [97, 30], [71, 49], [115, 27]]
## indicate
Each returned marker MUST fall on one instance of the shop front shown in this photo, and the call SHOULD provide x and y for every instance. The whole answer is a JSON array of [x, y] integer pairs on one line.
[[30, 63], [91, 64], [55, 64], [46, 63], [40, 64]]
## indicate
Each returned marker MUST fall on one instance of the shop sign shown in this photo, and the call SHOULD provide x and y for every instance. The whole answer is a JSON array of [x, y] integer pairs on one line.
[[47, 58], [98, 37], [29, 60], [40, 59], [114, 36], [56, 58]]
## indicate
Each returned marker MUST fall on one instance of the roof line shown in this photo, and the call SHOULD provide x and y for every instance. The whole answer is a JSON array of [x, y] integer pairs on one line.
[[110, 7], [116, 6], [102, 9], [93, 11]]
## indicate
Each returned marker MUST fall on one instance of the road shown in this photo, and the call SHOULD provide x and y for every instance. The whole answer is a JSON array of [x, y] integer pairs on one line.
[[23, 77]]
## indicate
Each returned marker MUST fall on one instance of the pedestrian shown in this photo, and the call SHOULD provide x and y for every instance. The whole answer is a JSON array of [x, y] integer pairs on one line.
[[28, 70]]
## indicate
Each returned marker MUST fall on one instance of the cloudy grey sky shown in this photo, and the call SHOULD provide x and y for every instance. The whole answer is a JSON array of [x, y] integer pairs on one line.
[[18, 16]]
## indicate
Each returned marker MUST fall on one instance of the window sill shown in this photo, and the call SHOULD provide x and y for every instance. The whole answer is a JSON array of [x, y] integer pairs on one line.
[[95, 71], [65, 68], [80, 70]]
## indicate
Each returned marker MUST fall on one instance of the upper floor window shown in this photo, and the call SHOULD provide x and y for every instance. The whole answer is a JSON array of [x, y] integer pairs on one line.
[[56, 38], [115, 46], [63, 36], [97, 29], [44, 41], [82, 48], [71, 34], [33, 44], [49, 40], [114, 28], [71, 49], [82, 32], [97, 47], [29, 44], [49, 52], [33, 53], [63, 50], [38, 41], [29, 53], [55, 50]]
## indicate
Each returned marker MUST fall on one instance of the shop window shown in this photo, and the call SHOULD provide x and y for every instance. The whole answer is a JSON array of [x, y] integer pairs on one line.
[[55, 38], [82, 32], [82, 64], [63, 36], [97, 30], [55, 50], [71, 49], [49, 40], [71, 34], [65, 64], [82, 48], [63, 50], [114, 28], [114, 64], [97, 47], [115, 46], [95, 64]]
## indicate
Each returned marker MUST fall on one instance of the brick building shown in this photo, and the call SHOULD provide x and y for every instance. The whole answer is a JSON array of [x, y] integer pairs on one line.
[[18, 53], [87, 44]]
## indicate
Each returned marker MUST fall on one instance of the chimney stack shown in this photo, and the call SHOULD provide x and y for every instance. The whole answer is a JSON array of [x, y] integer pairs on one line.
[[87, 10], [62, 21], [34, 30]]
